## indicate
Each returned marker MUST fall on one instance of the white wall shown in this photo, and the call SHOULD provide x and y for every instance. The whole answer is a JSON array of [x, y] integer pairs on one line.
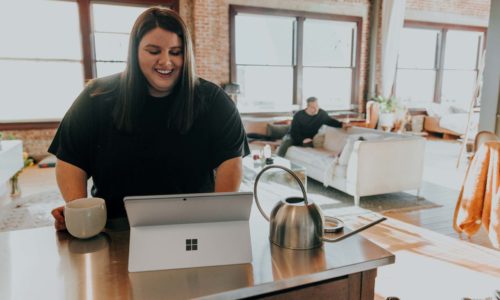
[[491, 79]]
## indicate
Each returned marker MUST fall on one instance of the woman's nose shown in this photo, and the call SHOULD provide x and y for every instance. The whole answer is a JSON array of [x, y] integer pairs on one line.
[[165, 59]]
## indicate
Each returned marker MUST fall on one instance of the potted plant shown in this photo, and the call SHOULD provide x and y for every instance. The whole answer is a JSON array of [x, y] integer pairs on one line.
[[388, 106], [15, 191]]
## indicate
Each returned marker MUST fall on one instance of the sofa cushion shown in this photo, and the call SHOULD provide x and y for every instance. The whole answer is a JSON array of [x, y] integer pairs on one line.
[[277, 131], [335, 139], [311, 156], [319, 140], [349, 145]]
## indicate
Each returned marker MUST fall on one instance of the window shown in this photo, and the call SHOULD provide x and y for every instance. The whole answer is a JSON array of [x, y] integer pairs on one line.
[[264, 60], [462, 53], [112, 38], [438, 65], [328, 62], [282, 58], [49, 51], [40, 61]]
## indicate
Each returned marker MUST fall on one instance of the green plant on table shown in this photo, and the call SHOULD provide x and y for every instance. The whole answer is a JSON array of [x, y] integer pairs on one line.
[[14, 180], [387, 104]]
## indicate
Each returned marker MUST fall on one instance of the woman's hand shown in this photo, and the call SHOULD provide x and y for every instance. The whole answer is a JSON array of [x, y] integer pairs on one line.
[[72, 182], [346, 126], [58, 214]]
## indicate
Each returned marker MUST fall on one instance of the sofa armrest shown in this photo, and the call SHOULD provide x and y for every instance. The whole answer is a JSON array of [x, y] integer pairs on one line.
[[385, 166]]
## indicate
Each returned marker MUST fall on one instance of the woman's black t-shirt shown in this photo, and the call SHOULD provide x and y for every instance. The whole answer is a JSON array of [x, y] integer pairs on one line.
[[155, 159]]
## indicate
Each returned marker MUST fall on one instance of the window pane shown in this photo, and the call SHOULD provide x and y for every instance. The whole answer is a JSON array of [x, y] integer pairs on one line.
[[461, 49], [111, 36], [111, 46], [40, 29], [265, 88], [122, 21], [109, 68], [458, 88], [417, 48], [45, 92], [415, 87], [332, 87], [264, 40], [328, 43]]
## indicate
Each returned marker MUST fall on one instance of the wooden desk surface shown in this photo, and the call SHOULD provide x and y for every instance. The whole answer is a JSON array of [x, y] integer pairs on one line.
[[44, 264]]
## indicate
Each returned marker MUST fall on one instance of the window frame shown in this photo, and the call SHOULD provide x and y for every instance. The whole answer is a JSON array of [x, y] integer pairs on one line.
[[298, 66], [88, 50], [441, 49]]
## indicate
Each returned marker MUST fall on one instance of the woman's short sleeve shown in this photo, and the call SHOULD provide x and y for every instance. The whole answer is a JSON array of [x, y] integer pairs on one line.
[[73, 140], [227, 135]]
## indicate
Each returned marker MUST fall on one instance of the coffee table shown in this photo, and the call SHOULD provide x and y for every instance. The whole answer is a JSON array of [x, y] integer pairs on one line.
[[252, 168]]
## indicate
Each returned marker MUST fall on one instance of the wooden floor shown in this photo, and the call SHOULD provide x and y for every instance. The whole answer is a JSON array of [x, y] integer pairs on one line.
[[441, 168]]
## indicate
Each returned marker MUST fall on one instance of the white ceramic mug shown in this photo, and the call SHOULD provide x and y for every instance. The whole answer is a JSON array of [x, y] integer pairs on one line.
[[85, 217]]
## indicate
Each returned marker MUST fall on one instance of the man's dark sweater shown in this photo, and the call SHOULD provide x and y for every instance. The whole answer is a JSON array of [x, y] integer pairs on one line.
[[305, 126]]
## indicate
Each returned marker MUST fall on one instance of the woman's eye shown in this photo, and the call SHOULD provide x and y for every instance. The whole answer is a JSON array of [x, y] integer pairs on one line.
[[153, 52], [175, 53]]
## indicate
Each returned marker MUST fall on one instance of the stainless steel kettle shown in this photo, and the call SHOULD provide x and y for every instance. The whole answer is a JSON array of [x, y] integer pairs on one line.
[[296, 223]]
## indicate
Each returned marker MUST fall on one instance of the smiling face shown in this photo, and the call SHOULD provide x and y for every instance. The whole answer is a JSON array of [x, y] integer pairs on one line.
[[312, 108], [161, 59]]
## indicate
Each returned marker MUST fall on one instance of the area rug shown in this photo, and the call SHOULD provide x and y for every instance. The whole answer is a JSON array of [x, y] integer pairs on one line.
[[30, 211], [329, 198]]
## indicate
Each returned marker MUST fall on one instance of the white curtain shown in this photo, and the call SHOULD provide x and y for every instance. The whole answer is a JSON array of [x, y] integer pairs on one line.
[[393, 15]]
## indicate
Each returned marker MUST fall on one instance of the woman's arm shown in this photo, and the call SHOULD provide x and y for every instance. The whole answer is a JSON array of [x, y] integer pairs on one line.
[[72, 182], [228, 175]]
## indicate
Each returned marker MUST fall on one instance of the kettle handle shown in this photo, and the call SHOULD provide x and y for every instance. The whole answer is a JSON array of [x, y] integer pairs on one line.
[[278, 167]]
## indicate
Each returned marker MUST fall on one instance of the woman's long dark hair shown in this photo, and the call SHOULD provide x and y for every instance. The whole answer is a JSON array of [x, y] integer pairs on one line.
[[133, 86]]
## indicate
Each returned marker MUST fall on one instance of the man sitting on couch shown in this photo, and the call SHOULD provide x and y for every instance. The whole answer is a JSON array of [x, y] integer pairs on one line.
[[305, 125]]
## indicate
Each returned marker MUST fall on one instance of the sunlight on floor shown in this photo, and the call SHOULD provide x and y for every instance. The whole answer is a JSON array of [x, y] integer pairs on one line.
[[436, 278], [448, 268], [440, 164]]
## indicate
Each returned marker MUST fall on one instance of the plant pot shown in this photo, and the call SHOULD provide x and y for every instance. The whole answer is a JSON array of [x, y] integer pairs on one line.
[[386, 120]]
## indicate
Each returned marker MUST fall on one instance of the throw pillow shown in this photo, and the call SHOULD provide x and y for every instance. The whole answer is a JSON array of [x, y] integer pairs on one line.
[[335, 139], [349, 146], [457, 109], [318, 140], [346, 152], [277, 131], [438, 110]]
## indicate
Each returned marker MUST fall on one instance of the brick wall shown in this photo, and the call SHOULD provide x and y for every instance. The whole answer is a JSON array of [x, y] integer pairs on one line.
[[480, 8], [35, 142]]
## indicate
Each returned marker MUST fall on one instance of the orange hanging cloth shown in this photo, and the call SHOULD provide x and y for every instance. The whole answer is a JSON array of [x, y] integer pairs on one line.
[[478, 202]]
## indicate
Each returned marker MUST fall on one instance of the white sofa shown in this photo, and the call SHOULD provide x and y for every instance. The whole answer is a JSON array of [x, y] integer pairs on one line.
[[380, 163]]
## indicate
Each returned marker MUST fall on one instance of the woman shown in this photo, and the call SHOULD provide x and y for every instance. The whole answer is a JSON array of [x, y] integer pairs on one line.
[[154, 129]]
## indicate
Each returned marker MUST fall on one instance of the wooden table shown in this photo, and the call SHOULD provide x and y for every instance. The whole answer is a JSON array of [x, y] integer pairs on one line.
[[42, 264]]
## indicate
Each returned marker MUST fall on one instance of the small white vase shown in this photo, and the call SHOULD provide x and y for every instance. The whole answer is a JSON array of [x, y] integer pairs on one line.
[[386, 120]]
